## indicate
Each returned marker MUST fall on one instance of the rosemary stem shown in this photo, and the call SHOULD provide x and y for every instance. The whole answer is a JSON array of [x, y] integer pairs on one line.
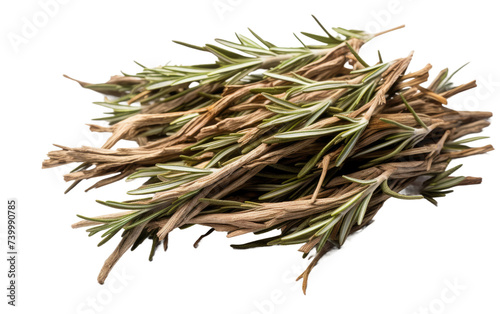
[[388, 30]]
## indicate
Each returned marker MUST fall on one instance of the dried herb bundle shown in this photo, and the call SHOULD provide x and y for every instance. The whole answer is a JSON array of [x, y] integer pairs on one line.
[[310, 141]]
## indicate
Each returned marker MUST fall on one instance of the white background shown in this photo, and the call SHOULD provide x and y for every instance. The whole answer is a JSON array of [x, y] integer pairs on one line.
[[403, 263]]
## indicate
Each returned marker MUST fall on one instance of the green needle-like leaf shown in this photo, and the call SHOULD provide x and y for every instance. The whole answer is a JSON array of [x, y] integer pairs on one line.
[[305, 232], [303, 134], [363, 206], [346, 226], [265, 42], [415, 115], [356, 55], [183, 168], [387, 190], [351, 202], [409, 128], [348, 148], [445, 184], [282, 102], [445, 174], [359, 181]]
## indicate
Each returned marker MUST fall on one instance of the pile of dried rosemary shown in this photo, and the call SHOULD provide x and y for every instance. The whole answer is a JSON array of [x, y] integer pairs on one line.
[[310, 141]]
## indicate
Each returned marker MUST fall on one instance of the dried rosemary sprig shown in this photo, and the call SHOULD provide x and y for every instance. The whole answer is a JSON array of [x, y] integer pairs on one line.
[[311, 147]]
